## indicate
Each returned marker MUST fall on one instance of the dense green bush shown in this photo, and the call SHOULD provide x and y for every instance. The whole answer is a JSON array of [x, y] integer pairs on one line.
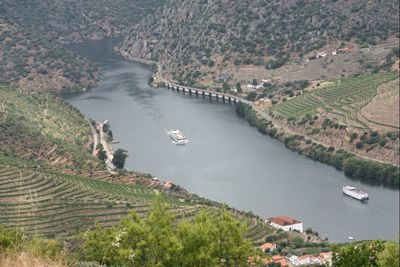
[[212, 239]]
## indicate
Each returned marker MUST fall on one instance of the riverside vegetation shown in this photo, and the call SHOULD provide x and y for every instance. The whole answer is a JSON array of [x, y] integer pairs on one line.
[[353, 166]]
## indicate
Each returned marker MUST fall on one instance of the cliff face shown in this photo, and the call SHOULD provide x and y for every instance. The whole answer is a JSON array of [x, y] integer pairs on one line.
[[194, 38], [30, 62], [75, 20]]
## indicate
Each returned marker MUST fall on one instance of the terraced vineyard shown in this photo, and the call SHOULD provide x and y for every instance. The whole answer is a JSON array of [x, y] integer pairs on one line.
[[343, 101], [60, 205]]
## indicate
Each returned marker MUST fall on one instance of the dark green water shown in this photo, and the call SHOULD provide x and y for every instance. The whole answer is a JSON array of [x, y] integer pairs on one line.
[[227, 160]]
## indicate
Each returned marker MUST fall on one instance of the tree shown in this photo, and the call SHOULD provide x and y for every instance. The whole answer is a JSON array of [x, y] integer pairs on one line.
[[390, 255], [119, 158], [238, 87], [252, 96], [102, 155], [357, 254], [212, 239], [150, 80], [225, 87], [255, 82]]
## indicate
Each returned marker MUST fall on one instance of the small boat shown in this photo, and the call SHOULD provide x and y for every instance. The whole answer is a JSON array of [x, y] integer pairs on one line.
[[355, 193], [178, 137], [351, 238]]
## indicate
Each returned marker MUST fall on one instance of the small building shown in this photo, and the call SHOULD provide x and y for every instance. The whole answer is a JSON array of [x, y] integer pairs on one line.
[[267, 247], [223, 77], [321, 54], [167, 184], [281, 260], [286, 223]]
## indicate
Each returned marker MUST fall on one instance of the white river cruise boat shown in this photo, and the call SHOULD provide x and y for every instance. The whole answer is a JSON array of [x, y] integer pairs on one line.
[[178, 137], [355, 193]]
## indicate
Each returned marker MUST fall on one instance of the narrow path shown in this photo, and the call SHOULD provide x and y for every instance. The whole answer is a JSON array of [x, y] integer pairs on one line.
[[107, 148]]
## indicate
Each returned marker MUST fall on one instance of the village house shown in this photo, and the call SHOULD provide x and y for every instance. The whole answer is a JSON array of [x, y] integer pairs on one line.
[[286, 223], [267, 247], [281, 260], [323, 258]]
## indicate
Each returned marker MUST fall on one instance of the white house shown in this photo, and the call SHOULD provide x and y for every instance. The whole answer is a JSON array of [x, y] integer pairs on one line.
[[286, 223]]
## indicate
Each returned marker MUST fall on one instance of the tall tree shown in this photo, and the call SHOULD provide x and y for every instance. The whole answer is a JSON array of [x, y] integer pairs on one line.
[[119, 158]]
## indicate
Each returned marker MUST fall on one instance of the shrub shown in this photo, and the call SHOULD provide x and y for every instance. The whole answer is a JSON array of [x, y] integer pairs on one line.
[[359, 145], [10, 238]]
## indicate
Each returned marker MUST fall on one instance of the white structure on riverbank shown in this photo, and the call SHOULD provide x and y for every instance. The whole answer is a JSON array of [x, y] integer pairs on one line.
[[286, 223]]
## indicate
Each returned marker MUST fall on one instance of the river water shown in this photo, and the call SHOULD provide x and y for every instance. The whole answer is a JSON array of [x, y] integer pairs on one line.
[[226, 160]]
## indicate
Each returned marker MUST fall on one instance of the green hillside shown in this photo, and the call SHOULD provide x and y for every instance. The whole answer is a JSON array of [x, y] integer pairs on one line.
[[42, 127]]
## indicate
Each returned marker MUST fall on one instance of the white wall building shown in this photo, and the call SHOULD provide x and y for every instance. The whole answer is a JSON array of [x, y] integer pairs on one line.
[[286, 223]]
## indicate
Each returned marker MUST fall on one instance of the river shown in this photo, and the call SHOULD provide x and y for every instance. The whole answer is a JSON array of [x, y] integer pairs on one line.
[[226, 159]]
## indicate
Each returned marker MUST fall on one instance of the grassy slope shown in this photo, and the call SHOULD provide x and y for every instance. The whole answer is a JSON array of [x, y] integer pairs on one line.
[[42, 127]]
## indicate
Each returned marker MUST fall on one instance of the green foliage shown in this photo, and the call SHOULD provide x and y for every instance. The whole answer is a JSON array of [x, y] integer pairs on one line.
[[390, 255], [210, 240], [358, 254], [245, 111], [9, 238], [372, 171], [119, 158], [252, 96], [238, 87], [102, 155]]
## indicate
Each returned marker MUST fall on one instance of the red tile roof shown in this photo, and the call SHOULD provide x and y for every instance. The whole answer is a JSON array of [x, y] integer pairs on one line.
[[283, 220], [267, 246]]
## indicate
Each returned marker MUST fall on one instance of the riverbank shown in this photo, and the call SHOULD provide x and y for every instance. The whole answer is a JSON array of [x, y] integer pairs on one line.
[[354, 166]]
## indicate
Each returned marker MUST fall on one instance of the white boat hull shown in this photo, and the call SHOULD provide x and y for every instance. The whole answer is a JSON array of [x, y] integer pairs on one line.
[[177, 137], [355, 193]]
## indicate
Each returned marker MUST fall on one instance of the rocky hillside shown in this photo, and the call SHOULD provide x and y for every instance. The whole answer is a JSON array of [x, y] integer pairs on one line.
[[206, 37], [30, 62], [76, 20]]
